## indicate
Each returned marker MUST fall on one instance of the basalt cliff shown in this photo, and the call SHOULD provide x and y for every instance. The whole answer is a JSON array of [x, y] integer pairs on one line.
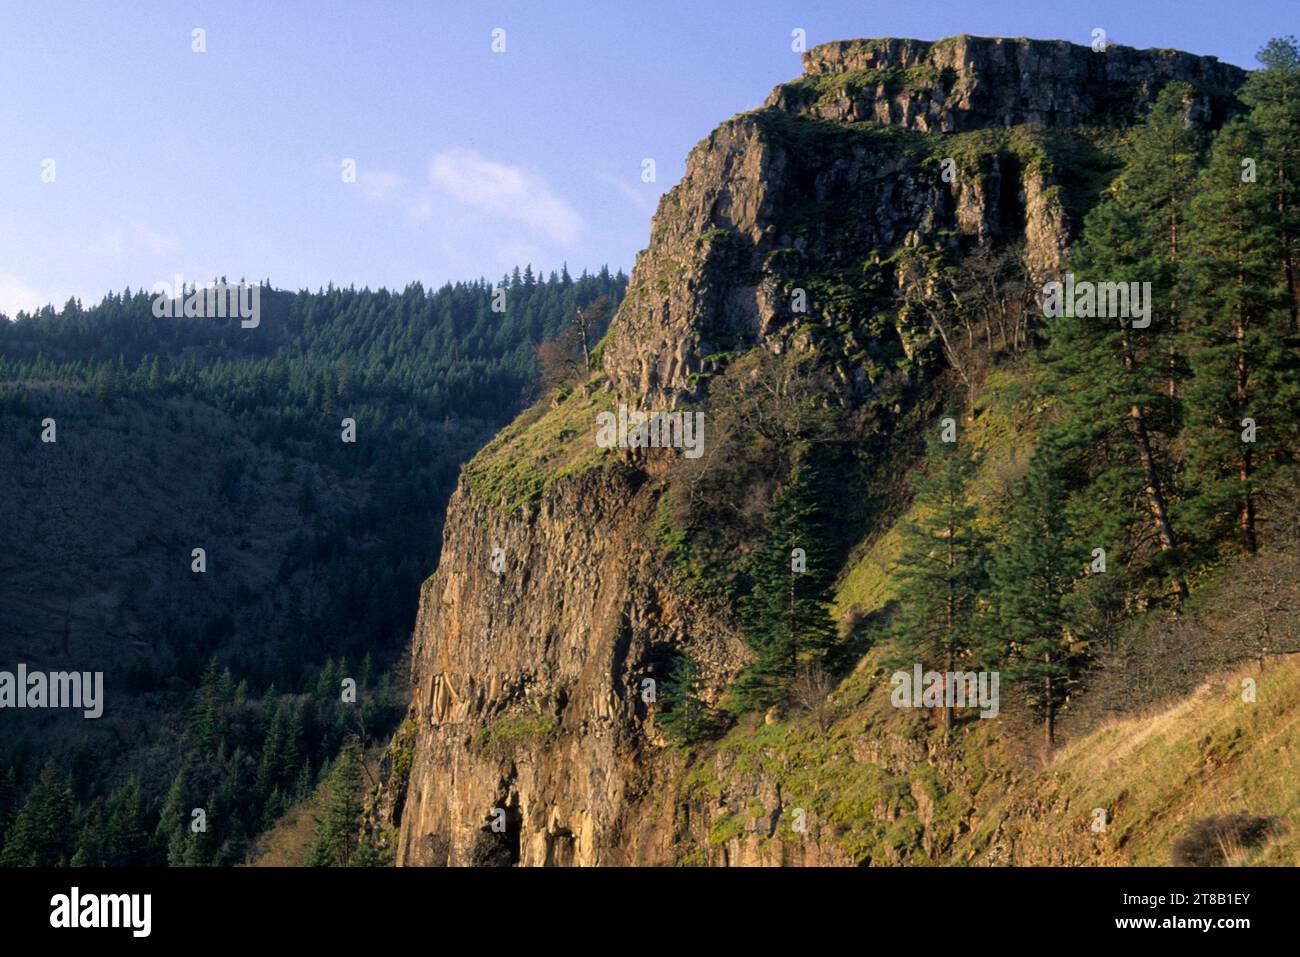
[[531, 737]]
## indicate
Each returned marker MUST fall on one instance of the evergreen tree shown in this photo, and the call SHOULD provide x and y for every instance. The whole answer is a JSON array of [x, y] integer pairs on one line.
[[941, 567], [1158, 178], [93, 842], [206, 717], [1116, 382], [786, 617], [275, 749], [683, 715], [201, 847], [1245, 396], [40, 835], [173, 825], [128, 832], [1033, 576], [338, 833], [306, 782], [1273, 96]]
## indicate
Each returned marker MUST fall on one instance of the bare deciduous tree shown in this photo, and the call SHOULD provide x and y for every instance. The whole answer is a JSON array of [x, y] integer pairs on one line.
[[586, 320], [811, 691]]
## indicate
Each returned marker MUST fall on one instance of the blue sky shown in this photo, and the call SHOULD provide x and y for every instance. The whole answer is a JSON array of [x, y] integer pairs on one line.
[[230, 161]]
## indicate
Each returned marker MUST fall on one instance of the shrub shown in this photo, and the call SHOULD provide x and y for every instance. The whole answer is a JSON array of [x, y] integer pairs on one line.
[[1219, 840]]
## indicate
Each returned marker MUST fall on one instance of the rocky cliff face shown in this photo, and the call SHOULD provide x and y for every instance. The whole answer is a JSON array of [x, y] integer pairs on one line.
[[534, 741], [527, 683], [969, 83], [800, 188]]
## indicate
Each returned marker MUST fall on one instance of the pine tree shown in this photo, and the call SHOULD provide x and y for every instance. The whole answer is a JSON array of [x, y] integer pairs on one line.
[[205, 722], [683, 715], [1249, 229], [1273, 96], [327, 682], [1243, 371], [1116, 383], [173, 825], [93, 842], [1034, 575], [275, 748], [1155, 185], [201, 847], [40, 836], [338, 833], [306, 782], [941, 567], [786, 617], [128, 834]]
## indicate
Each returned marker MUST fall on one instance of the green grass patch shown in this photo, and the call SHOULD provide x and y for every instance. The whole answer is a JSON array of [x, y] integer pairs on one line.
[[546, 443], [504, 734]]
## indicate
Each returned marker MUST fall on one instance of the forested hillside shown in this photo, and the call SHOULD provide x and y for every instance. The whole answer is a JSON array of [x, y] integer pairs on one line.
[[224, 674]]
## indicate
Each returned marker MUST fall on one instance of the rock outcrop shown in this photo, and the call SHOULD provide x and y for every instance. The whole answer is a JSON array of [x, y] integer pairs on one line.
[[765, 183], [527, 679], [968, 83], [535, 742]]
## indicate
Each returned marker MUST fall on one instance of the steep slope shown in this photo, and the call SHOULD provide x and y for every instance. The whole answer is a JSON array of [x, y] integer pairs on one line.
[[534, 741], [1166, 735]]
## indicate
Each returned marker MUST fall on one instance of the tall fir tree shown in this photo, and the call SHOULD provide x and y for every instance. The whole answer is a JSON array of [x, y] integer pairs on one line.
[[1035, 574], [786, 617], [941, 569], [40, 835], [1245, 395], [1273, 96], [275, 750], [338, 832], [173, 825], [202, 845], [683, 715], [93, 841], [1116, 377], [128, 832], [1157, 181]]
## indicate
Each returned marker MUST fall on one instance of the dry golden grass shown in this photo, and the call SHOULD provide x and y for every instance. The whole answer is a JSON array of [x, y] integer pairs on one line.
[[1212, 753], [288, 843]]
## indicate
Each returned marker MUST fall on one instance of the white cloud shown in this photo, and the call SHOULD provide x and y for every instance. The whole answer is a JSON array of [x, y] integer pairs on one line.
[[508, 192], [420, 209]]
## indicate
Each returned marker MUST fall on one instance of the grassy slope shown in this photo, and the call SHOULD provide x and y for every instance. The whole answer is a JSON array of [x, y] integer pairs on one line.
[[1004, 429], [548, 442], [1208, 754], [891, 794], [881, 782]]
